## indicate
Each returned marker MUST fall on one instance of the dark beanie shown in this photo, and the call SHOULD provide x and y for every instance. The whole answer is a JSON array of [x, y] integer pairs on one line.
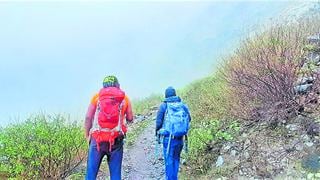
[[170, 91]]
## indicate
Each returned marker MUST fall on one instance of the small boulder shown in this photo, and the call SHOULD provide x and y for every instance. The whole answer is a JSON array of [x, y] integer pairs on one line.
[[302, 89], [219, 161], [306, 80], [315, 39]]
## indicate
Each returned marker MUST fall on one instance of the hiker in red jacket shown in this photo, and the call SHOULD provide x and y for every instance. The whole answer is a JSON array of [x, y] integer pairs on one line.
[[105, 128]]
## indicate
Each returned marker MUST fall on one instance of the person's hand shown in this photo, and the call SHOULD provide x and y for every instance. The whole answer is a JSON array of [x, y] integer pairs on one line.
[[157, 137]]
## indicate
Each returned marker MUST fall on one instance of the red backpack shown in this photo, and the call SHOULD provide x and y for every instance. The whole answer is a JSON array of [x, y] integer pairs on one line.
[[110, 104]]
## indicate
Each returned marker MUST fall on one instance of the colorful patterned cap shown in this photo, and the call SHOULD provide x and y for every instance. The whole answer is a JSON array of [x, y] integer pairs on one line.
[[110, 81]]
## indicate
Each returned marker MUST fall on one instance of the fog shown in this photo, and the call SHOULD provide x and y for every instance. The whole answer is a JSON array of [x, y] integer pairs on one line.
[[54, 56]]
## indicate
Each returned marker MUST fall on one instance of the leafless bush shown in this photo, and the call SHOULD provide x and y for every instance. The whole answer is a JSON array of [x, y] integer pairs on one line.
[[262, 73]]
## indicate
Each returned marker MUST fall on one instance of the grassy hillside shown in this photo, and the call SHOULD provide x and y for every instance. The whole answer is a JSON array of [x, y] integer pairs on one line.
[[208, 103], [142, 106]]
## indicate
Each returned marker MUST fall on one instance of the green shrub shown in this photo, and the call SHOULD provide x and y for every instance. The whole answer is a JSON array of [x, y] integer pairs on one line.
[[205, 142], [43, 147]]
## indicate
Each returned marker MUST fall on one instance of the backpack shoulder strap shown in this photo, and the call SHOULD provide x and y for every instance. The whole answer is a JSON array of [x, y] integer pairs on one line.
[[120, 119], [166, 112]]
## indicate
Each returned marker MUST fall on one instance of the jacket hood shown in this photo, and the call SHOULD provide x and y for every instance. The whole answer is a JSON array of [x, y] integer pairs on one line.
[[172, 99], [170, 91]]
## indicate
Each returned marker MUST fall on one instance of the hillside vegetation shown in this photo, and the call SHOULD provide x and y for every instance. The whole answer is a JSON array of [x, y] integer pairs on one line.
[[260, 91], [43, 147]]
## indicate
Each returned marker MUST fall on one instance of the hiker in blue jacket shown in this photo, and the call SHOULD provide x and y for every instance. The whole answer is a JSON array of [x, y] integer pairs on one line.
[[172, 139]]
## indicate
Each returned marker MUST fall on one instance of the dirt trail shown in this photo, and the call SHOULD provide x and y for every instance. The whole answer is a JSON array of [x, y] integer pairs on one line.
[[140, 160]]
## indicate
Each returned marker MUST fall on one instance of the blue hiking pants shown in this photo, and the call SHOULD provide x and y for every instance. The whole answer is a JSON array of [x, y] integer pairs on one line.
[[114, 159], [172, 159]]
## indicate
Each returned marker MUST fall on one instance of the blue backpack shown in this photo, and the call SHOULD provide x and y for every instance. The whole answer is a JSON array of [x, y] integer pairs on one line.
[[176, 120]]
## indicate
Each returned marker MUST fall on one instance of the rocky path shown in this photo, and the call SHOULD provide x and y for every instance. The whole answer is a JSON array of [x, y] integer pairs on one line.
[[140, 161]]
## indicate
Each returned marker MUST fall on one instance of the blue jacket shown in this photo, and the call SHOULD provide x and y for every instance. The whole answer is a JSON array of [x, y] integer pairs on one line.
[[163, 108]]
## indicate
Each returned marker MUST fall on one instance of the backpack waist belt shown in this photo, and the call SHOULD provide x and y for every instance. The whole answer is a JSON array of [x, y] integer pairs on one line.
[[105, 135], [174, 137]]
